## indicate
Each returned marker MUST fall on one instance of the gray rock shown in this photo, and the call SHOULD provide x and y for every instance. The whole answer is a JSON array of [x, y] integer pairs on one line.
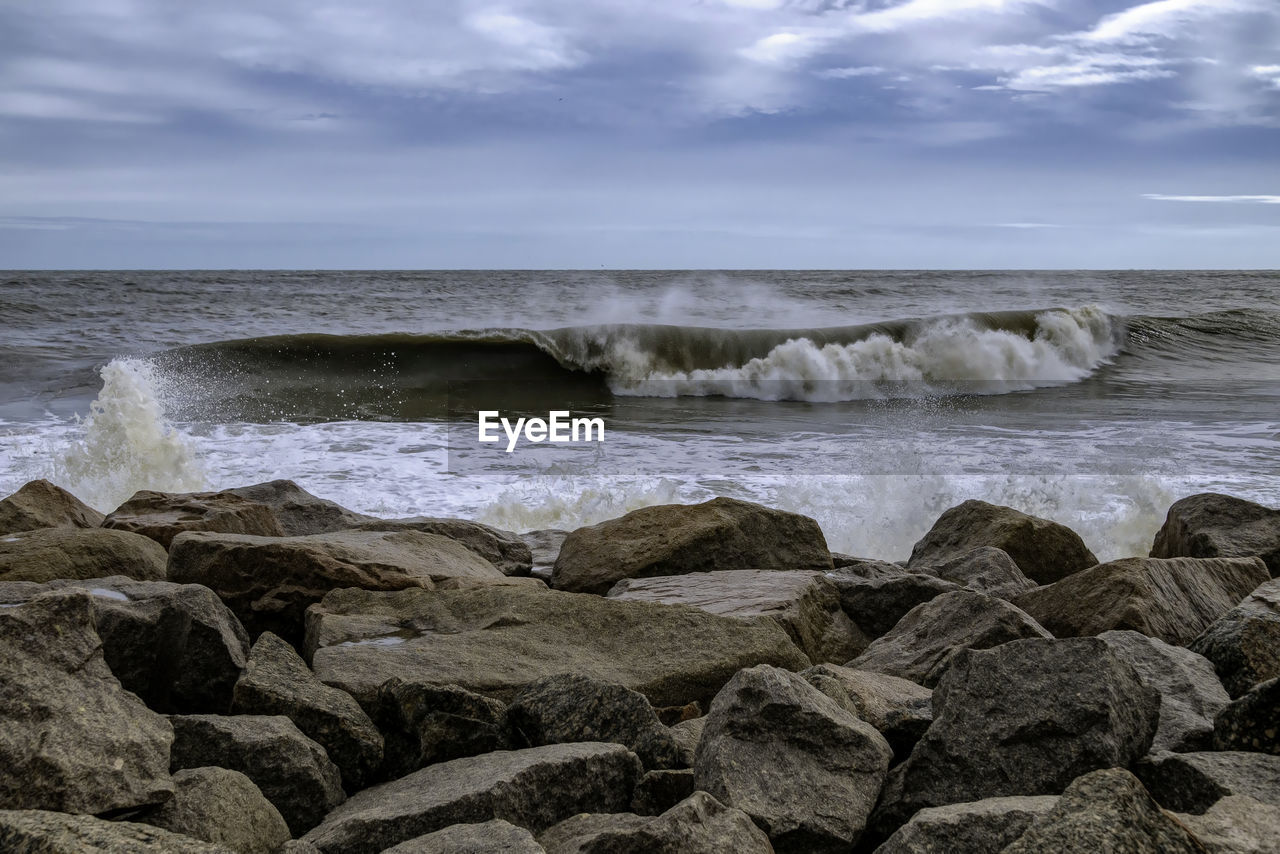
[[865, 567], [687, 734], [506, 551], [899, 709], [533, 788], [980, 827], [1173, 599], [1045, 551], [224, 807], [985, 569], [78, 553], [297, 512], [425, 724], [1237, 825], [659, 791], [877, 603], [1212, 525], [1251, 722], [490, 837], [163, 515], [923, 644], [278, 682], [675, 539], [806, 771], [1193, 782], [292, 771], [1244, 643], [40, 832], [41, 504], [544, 546], [697, 825], [1190, 693], [71, 738]]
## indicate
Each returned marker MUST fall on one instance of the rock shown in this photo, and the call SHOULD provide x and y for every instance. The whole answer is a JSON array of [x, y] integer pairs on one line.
[[163, 515], [496, 836], [687, 734], [806, 771], [506, 551], [1193, 782], [278, 682], [1190, 693], [40, 832], [223, 807], [573, 707], [40, 504], [425, 724], [980, 827], [986, 569], [1212, 525], [1024, 718], [270, 581], [658, 791], [1244, 643], [675, 539], [79, 553], [672, 715], [71, 738], [864, 567], [1173, 599], [293, 772], [533, 788], [899, 709], [876, 604], [1045, 551], [1105, 810], [544, 545], [697, 825], [496, 640], [1251, 722], [174, 645], [297, 512], [1237, 825], [925, 641], [806, 605]]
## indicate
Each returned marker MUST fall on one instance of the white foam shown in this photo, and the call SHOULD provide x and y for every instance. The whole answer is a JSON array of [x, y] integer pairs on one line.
[[104, 593]]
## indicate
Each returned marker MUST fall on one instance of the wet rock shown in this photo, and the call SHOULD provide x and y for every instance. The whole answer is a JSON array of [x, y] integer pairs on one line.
[[985, 569], [544, 546], [899, 709], [293, 772], [675, 539], [278, 682], [806, 605], [980, 827], [163, 515], [425, 724], [876, 604], [806, 771], [923, 644], [79, 553], [1173, 599], [40, 832], [697, 825], [1213, 525], [1236, 825], [1193, 782], [490, 837], [533, 788], [506, 551], [1045, 551], [1244, 643], [41, 504], [223, 807], [494, 641], [1251, 722], [71, 738], [658, 791]]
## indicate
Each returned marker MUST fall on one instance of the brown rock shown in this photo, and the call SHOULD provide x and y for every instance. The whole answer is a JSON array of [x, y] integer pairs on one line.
[[1213, 525], [41, 504], [163, 515], [79, 553]]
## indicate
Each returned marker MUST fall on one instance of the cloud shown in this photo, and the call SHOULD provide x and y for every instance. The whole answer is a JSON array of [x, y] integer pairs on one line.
[[851, 71], [1166, 19], [1259, 200]]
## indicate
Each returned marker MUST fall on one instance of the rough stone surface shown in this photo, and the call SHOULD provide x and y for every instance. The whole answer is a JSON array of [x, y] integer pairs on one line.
[[496, 640], [425, 724], [78, 553], [1174, 599], [41, 504], [806, 605], [900, 709], [1244, 643], [877, 603], [1190, 693], [489, 837], [659, 791], [985, 569], [224, 807], [278, 682], [292, 771], [1193, 782], [544, 545], [71, 738], [697, 825], [40, 832], [1237, 825], [807, 771], [865, 567], [298, 512], [163, 515], [675, 539], [533, 788], [1213, 525], [1251, 722], [687, 734], [923, 644], [506, 551], [980, 827], [1045, 551]]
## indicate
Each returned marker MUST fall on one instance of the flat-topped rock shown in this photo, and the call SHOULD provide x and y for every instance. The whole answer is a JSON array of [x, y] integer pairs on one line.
[[509, 553], [164, 515], [1236, 825], [985, 569], [42, 832], [487, 837], [79, 553], [978, 827], [1244, 643], [41, 504], [698, 824], [1213, 525], [223, 807], [901, 710], [1193, 782]]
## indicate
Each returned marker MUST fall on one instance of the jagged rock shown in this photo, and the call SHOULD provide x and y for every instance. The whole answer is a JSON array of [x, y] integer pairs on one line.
[[174, 645], [864, 567], [490, 837], [79, 553], [1193, 782], [40, 832], [532, 788], [899, 709], [224, 807], [1251, 722], [697, 825], [985, 569], [876, 604], [293, 772], [163, 515], [806, 771], [506, 551], [278, 682], [1173, 599], [1237, 825], [1190, 693], [672, 715], [1213, 525], [1105, 810], [41, 504], [806, 605], [979, 827], [1045, 551], [269, 581], [573, 707], [658, 791], [298, 512], [1244, 643], [71, 738], [687, 734], [496, 640], [924, 642], [675, 539], [425, 724], [544, 546]]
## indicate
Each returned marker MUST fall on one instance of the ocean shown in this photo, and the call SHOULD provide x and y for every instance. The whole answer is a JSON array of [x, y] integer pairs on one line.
[[871, 401]]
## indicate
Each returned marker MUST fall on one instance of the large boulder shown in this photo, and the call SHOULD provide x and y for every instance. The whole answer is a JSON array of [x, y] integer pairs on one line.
[[505, 550], [806, 770], [424, 724], [496, 640], [980, 827], [41, 504], [79, 553], [675, 539], [487, 837], [278, 682], [41, 832], [1236, 825], [71, 738], [1213, 525], [533, 788], [1193, 782], [1174, 599], [901, 710], [986, 569], [544, 546], [1244, 643], [806, 605], [698, 824], [1045, 551], [1251, 722], [877, 603], [163, 515], [925, 641], [224, 807], [297, 512]]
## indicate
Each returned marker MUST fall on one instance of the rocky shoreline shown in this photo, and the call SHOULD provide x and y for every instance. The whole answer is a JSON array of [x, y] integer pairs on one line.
[[261, 671]]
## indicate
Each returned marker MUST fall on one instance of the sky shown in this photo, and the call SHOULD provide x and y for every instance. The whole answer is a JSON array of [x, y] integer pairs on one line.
[[640, 134]]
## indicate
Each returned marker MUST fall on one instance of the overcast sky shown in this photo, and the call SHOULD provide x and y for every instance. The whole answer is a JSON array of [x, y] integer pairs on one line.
[[640, 133]]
